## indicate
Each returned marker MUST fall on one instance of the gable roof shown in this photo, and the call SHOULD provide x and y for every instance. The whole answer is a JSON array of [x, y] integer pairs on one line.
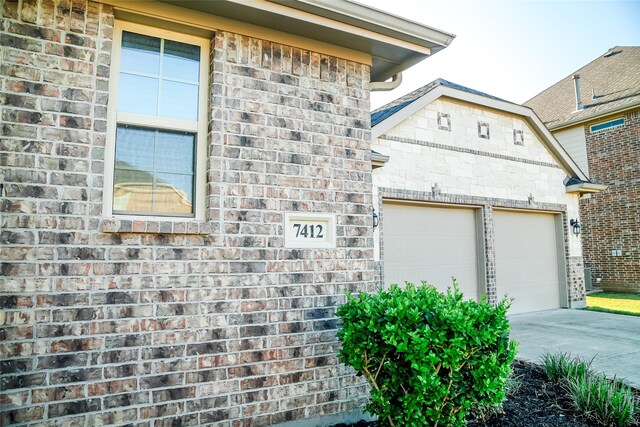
[[608, 84], [392, 114], [393, 107]]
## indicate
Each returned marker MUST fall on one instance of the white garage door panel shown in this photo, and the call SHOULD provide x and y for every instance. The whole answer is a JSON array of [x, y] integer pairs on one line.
[[432, 244], [527, 260]]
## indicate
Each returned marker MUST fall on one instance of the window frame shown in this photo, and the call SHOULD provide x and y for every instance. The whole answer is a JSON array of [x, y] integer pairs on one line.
[[606, 123], [115, 118]]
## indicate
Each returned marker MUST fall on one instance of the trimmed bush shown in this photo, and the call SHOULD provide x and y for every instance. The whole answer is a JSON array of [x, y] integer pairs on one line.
[[429, 357]]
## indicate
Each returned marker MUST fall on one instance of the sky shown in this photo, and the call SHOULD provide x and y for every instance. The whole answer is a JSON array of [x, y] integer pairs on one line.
[[512, 49]]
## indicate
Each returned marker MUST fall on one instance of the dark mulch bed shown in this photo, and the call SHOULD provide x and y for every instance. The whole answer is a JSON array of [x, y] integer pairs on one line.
[[536, 402]]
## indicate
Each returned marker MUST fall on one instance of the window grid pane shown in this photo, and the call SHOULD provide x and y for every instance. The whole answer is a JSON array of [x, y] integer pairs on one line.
[[175, 74], [140, 54], [139, 186]]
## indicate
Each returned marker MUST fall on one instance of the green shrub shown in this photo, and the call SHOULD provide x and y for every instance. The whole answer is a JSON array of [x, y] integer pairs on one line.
[[482, 414], [610, 403], [430, 357]]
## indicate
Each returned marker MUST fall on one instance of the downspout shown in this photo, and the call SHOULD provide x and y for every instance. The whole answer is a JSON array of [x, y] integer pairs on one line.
[[386, 86]]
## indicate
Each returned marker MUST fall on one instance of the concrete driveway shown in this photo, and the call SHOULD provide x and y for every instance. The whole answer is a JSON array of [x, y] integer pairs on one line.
[[612, 340]]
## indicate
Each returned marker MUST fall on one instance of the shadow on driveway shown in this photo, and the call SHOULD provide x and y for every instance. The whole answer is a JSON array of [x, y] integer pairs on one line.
[[613, 339]]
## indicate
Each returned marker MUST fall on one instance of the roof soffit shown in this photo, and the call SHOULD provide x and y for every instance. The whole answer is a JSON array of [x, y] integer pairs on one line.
[[393, 43]]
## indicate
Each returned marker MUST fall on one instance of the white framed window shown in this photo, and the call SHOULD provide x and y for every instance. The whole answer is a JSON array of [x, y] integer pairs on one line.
[[607, 125], [155, 157]]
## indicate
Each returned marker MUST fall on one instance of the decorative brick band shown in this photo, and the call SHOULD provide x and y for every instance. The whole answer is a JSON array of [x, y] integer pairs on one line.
[[462, 199], [467, 150]]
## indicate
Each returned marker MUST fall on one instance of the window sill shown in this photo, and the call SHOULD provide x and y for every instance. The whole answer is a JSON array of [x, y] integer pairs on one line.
[[153, 226]]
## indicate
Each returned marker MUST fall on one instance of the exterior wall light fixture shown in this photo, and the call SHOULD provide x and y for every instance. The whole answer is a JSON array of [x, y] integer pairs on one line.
[[575, 226], [376, 221]]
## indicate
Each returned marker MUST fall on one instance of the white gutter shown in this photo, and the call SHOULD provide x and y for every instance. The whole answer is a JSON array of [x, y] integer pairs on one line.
[[586, 187], [378, 160], [396, 80], [594, 116], [370, 18]]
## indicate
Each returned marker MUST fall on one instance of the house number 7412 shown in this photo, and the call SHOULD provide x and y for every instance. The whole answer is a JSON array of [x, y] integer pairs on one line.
[[309, 231]]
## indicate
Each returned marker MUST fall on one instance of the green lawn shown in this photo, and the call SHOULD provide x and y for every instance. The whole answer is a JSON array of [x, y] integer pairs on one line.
[[614, 303]]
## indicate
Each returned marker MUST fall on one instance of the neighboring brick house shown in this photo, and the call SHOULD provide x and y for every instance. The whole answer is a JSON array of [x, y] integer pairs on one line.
[[595, 114], [186, 196], [475, 187]]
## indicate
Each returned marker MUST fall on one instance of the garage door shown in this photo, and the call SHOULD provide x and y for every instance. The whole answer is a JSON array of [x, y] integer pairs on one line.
[[430, 243], [527, 260]]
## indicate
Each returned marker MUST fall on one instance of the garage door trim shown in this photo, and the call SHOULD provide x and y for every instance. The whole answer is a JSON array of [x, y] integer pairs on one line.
[[560, 248]]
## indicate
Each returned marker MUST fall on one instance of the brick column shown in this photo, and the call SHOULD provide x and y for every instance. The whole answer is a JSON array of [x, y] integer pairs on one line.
[[490, 253]]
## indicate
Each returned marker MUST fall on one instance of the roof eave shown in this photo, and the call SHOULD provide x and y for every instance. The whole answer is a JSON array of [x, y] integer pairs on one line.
[[593, 116], [370, 18], [586, 187], [429, 40], [392, 44], [378, 160]]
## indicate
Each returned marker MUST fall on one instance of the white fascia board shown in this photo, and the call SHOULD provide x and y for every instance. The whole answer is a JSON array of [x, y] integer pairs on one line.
[[408, 111], [563, 158]]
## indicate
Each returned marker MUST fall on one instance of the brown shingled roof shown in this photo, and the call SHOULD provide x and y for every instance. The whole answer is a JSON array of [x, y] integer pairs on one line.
[[608, 84]]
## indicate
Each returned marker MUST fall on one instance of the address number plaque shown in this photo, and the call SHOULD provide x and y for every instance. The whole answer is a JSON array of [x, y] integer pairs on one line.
[[309, 230]]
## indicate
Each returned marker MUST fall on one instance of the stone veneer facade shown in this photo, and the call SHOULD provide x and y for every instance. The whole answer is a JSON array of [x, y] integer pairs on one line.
[[611, 218], [108, 321], [457, 164]]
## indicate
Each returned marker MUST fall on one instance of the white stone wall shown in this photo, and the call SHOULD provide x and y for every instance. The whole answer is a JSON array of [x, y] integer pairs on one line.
[[417, 167]]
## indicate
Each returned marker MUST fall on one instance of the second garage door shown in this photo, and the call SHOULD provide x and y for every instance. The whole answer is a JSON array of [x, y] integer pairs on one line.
[[425, 242], [527, 261]]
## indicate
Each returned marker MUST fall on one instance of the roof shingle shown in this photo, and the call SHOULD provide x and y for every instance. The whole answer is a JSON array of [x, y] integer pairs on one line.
[[609, 83], [393, 107]]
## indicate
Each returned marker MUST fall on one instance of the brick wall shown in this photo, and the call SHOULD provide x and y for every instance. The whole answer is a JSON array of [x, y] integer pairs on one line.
[[575, 282], [176, 323], [611, 218]]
